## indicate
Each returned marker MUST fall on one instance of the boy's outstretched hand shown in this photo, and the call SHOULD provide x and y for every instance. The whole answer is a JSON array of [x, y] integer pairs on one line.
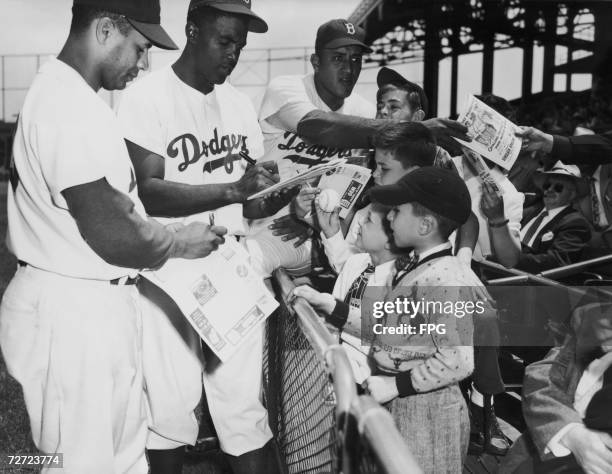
[[329, 222], [320, 301], [382, 388]]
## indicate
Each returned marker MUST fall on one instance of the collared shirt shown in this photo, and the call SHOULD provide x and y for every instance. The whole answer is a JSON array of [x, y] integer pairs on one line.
[[422, 256], [551, 215], [590, 382], [603, 219], [351, 333]]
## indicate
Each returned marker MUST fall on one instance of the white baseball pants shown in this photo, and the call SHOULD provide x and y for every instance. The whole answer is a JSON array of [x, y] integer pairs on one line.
[[174, 378], [75, 347]]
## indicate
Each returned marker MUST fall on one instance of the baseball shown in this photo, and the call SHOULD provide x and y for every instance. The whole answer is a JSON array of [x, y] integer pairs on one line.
[[328, 200]]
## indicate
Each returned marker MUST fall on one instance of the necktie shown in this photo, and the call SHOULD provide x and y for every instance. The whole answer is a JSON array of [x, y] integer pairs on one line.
[[403, 266], [357, 288], [595, 213], [534, 227]]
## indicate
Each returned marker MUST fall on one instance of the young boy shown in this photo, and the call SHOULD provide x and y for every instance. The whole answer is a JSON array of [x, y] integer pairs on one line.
[[362, 270], [418, 372], [400, 149]]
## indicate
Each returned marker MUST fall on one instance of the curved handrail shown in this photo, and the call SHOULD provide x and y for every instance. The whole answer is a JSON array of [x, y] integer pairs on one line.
[[377, 426], [326, 345], [373, 421]]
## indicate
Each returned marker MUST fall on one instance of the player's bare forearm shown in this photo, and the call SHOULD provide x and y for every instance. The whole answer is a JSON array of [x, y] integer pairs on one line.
[[108, 222], [170, 199], [337, 130]]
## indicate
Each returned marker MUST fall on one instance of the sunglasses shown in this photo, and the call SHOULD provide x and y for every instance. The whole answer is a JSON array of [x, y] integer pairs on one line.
[[556, 187]]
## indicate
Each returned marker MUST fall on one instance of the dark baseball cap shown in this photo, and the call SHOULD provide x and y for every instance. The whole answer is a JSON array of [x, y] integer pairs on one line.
[[439, 190], [338, 33], [238, 7], [389, 76], [143, 15]]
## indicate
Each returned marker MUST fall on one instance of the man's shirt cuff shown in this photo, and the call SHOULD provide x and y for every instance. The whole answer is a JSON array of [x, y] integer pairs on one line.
[[555, 447]]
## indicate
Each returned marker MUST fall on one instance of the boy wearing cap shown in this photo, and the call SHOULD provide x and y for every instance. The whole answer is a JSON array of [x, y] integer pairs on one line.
[[70, 320], [399, 149], [419, 371], [554, 234], [186, 127]]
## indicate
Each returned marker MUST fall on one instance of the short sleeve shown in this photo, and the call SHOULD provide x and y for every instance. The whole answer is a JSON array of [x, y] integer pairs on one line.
[[255, 141], [140, 120], [285, 103], [73, 155]]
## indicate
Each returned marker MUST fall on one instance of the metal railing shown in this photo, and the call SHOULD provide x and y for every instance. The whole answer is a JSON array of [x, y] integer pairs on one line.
[[321, 424]]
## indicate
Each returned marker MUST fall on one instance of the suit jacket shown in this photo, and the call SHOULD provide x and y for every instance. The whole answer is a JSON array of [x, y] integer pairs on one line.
[[550, 385], [584, 149], [570, 235], [549, 389]]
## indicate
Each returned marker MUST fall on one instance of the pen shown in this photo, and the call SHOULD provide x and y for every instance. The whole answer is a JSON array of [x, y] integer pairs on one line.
[[245, 156]]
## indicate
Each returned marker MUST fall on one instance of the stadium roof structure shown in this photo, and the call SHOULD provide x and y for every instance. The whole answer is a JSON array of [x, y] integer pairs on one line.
[[402, 31]]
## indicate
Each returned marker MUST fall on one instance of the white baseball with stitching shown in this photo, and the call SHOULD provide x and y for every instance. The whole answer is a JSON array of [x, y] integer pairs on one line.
[[329, 199]]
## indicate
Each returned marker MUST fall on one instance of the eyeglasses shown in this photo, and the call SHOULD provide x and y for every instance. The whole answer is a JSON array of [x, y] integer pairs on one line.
[[556, 187]]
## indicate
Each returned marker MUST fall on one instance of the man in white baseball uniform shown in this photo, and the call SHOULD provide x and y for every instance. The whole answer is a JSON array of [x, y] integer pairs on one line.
[[70, 320], [186, 127], [337, 61], [307, 120]]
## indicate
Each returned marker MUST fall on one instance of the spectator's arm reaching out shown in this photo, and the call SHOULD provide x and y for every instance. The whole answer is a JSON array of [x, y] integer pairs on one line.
[[584, 149]]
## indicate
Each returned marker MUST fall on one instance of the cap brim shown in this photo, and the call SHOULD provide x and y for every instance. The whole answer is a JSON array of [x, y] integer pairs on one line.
[[389, 76], [256, 23], [342, 42], [391, 195], [155, 34]]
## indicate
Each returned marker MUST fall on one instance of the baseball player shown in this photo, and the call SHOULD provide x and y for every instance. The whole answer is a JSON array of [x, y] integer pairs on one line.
[[307, 120], [186, 127], [70, 320]]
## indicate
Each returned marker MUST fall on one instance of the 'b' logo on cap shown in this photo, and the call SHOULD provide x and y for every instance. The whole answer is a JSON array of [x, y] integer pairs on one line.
[[350, 28]]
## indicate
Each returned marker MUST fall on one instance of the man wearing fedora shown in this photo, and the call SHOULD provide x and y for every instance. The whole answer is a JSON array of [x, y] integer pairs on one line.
[[555, 234], [71, 319], [186, 127]]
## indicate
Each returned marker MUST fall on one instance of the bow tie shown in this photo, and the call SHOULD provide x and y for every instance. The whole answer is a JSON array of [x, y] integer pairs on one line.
[[404, 265]]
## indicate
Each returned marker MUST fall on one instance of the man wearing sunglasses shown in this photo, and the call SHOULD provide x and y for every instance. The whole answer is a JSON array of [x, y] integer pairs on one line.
[[556, 234]]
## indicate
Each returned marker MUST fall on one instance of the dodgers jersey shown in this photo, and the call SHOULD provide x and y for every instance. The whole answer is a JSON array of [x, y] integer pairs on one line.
[[199, 135], [294, 97], [66, 136]]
